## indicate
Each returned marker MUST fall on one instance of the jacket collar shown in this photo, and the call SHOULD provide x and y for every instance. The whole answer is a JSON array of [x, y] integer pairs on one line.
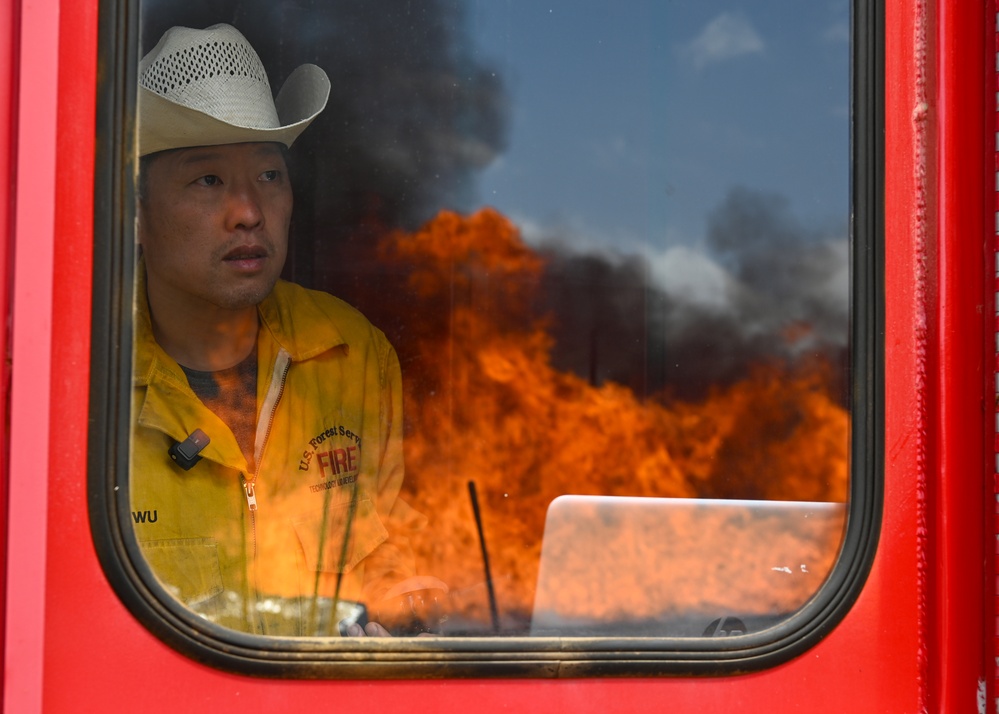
[[290, 315], [171, 406]]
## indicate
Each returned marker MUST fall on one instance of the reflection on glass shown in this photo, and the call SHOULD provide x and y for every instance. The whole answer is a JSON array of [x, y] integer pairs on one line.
[[661, 567], [609, 246]]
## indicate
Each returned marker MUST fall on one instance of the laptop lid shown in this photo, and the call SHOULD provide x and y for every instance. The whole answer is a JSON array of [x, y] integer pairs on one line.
[[668, 567]]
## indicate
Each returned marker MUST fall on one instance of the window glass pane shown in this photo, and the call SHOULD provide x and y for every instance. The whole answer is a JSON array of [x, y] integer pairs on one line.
[[608, 248]]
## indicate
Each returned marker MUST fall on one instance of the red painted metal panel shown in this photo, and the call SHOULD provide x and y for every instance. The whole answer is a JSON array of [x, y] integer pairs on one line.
[[885, 657], [8, 73], [991, 496], [907, 220], [856, 669], [34, 217], [959, 476]]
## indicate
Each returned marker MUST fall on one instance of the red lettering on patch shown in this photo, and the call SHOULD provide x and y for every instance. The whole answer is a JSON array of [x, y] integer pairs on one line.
[[337, 461], [324, 462]]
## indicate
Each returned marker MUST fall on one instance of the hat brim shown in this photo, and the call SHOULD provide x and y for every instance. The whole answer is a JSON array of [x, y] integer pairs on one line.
[[165, 125]]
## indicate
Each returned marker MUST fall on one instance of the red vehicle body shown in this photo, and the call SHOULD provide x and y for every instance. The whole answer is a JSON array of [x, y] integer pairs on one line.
[[920, 637]]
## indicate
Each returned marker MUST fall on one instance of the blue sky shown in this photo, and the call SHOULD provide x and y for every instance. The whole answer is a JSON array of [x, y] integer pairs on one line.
[[631, 122]]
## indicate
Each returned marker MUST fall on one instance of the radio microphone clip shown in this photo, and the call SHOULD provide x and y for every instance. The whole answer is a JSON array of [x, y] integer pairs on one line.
[[185, 453]]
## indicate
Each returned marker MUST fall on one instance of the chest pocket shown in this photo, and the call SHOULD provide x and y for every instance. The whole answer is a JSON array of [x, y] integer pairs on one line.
[[326, 542], [188, 568]]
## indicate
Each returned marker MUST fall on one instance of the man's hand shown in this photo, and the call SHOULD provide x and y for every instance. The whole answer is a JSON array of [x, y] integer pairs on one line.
[[372, 629], [413, 607]]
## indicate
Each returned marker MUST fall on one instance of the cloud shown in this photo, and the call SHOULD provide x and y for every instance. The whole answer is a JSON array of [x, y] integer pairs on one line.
[[726, 37], [691, 276]]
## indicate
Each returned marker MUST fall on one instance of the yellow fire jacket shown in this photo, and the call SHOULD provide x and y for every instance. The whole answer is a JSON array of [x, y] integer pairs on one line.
[[321, 520]]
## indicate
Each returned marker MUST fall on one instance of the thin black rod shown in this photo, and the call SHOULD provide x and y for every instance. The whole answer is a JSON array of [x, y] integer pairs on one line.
[[493, 610]]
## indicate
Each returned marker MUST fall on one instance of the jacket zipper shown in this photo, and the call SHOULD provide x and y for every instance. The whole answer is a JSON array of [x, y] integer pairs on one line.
[[278, 377], [251, 501], [250, 558], [251, 495]]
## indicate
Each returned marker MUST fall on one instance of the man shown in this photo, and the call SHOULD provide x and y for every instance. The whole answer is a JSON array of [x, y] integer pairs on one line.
[[267, 447]]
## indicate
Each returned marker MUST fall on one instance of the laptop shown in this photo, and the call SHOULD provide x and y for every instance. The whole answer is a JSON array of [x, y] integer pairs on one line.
[[678, 567]]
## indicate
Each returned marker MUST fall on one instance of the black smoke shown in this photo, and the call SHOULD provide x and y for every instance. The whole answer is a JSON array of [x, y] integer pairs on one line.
[[785, 303], [412, 116], [415, 114]]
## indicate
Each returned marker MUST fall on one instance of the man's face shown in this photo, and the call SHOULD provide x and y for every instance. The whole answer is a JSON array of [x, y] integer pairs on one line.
[[213, 225]]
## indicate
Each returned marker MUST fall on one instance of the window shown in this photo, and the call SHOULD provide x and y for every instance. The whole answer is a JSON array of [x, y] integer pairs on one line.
[[615, 253]]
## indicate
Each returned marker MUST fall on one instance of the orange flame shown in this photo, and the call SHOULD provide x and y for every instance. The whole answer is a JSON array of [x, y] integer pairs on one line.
[[484, 404]]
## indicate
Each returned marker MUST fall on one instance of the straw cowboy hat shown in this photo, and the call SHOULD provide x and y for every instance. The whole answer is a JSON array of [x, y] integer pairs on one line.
[[208, 87]]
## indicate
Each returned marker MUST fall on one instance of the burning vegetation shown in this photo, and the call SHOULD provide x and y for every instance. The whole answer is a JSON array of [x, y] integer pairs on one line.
[[484, 403]]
